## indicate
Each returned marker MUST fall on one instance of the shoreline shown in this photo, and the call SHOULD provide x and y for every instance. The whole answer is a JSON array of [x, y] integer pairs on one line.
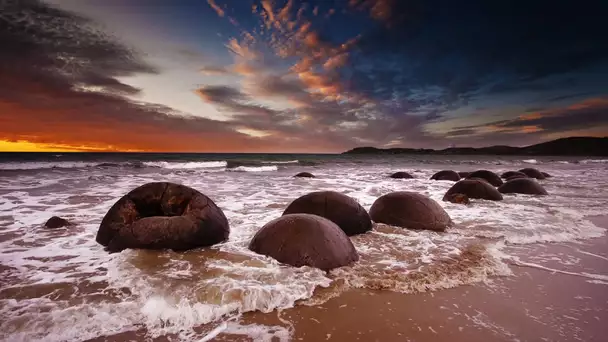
[[548, 302]]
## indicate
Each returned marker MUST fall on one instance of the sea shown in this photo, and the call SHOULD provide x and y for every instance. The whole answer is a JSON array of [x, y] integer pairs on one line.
[[60, 285]]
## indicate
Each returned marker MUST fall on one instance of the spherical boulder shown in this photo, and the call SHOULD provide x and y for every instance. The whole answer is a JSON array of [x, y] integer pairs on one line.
[[458, 199], [410, 210], [532, 172], [490, 176], [546, 174], [163, 215], [57, 222], [342, 210], [512, 173], [305, 175], [516, 177], [305, 240], [474, 188], [446, 175], [464, 174], [401, 175], [528, 186]]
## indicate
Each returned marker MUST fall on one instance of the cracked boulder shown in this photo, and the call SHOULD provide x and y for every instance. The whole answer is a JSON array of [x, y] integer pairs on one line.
[[163, 215]]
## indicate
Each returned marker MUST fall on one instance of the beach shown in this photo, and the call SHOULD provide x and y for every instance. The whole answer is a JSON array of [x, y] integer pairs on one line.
[[527, 268]]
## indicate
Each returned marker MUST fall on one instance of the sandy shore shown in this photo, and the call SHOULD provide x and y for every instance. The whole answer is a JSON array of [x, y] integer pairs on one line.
[[559, 301]]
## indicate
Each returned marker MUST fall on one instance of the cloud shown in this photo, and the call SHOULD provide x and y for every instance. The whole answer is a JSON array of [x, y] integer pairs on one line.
[[59, 87], [220, 12], [214, 70], [589, 114]]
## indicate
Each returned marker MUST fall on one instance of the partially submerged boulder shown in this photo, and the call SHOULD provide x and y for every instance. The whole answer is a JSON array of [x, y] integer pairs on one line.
[[532, 172], [528, 186], [458, 199], [510, 174], [401, 175], [305, 240], [474, 188], [57, 222], [489, 176], [464, 174], [410, 210], [305, 175], [446, 175], [546, 174], [342, 210], [163, 215], [516, 177]]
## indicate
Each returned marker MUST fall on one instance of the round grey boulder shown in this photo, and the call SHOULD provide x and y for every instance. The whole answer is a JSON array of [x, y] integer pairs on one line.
[[532, 172], [509, 174], [305, 240], [410, 210], [489, 176], [446, 175], [401, 175], [527, 186], [305, 175], [342, 210], [474, 188]]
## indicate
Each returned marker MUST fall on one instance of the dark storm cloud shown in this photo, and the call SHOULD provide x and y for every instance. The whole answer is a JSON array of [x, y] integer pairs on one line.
[[464, 46]]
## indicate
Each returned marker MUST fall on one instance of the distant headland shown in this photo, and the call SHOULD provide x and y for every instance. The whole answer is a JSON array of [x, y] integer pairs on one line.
[[573, 146]]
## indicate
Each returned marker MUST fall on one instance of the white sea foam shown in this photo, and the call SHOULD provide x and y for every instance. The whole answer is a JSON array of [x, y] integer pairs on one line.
[[187, 165], [530, 161], [594, 161], [44, 165], [173, 293], [255, 168], [284, 162]]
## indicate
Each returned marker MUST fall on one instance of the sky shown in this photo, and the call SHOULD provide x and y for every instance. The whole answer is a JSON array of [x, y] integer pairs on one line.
[[299, 76]]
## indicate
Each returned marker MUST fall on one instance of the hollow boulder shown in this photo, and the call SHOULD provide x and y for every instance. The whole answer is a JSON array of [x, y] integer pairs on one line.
[[532, 172], [57, 222], [528, 186], [401, 175], [474, 188], [305, 175], [410, 210], [446, 175], [489, 176], [163, 215], [305, 240], [509, 174], [342, 210]]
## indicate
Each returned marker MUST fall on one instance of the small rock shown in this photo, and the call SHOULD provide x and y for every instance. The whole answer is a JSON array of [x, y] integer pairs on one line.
[[57, 222], [401, 175], [305, 175]]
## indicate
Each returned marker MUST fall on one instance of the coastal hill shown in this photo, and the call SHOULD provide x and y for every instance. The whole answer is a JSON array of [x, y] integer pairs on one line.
[[573, 146]]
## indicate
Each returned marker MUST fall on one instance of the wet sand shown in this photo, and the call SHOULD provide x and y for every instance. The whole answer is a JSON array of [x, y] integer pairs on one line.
[[534, 304]]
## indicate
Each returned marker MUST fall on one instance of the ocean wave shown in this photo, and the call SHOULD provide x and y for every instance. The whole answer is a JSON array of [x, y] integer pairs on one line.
[[187, 165], [594, 161], [255, 168], [530, 161], [14, 166], [283, 162]]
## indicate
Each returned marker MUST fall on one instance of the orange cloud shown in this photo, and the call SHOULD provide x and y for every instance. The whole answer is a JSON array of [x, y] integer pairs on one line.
[[217, 8]]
